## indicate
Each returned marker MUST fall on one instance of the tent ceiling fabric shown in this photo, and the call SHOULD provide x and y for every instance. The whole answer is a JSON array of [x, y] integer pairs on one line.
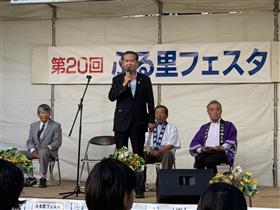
[[217, 6], [119, 8]]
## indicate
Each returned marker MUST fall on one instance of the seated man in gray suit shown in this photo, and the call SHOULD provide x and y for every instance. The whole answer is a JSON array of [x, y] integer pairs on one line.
[[45, 138]]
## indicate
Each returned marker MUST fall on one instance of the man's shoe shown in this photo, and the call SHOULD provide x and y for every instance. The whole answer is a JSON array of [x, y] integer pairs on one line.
[[30, 181], [43, 182], [140, 195]]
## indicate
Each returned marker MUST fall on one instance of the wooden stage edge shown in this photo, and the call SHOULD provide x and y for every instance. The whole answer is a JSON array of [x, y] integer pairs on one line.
[[268, 197]]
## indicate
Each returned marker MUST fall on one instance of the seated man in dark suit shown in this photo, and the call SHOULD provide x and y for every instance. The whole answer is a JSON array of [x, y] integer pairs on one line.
[[215, 142], [45, 138]]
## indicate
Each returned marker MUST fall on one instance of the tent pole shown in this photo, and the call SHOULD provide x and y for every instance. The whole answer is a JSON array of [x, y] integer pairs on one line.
[[275, 137], [54, 17], [159, 42], [159, 22], [275, 99]]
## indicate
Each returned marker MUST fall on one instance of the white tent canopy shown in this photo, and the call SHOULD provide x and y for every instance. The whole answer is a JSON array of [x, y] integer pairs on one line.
[[249, 106], [117, 8]]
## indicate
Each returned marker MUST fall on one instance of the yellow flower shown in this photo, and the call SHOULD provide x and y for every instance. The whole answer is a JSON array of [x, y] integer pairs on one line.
[[218, 175], [134, 161], [12, 155], [239, 178]]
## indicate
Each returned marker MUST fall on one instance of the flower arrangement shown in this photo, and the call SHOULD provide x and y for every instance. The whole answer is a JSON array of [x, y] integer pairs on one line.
[[241, 179], [134, 161], [12, 155]]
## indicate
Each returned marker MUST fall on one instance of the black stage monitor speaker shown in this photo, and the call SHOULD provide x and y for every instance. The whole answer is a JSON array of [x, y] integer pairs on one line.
[[182, 185]]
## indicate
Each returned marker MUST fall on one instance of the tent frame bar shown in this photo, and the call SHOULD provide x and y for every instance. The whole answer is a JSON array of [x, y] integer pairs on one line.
[[159, 42], [275, 100], [54, 17]]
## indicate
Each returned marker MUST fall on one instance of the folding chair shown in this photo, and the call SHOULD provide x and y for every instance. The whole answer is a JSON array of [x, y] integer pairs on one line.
[[95, 141], [51, 167]]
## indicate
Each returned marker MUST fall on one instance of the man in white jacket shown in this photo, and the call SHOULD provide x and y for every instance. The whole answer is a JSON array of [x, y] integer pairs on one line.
[[162, 142]]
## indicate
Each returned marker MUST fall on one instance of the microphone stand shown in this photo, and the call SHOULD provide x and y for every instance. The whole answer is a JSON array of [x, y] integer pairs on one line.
[[77, 189]]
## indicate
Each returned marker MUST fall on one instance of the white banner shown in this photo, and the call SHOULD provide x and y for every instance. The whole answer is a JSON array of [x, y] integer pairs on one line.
[[240, 62], [65, 204]]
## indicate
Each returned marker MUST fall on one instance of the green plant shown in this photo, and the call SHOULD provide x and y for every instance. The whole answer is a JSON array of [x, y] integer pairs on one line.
[[14, 156], [241, 179], [134, 161]]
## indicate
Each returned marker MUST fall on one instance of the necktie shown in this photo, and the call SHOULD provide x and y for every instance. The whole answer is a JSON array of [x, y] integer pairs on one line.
[[40, 131]]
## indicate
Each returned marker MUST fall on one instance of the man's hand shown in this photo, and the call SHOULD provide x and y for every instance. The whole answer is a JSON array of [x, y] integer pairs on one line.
[[127, 79], [219, 148], [151, 126], [46, 148], [160, 152], [35, 154], [154, 152], [210, 150]]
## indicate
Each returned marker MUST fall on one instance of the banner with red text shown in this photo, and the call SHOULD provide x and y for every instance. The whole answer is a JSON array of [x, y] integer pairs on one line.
[[240, 62]]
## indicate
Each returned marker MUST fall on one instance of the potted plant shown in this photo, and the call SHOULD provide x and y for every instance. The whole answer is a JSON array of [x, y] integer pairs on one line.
[[134, 161], [14, 156], [241, 179]]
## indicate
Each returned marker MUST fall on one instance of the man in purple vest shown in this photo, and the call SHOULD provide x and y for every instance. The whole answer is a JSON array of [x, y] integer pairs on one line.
[[215, 142]]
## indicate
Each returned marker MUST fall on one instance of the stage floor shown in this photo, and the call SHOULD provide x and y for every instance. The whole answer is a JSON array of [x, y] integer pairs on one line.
[[267, 197]]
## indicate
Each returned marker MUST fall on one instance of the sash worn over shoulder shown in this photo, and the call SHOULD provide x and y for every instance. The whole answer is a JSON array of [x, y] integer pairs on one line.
[[222, 132], [158, 139]]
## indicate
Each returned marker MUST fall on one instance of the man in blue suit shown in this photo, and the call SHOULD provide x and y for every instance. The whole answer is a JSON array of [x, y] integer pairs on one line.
[[134, 95], [44, 140]]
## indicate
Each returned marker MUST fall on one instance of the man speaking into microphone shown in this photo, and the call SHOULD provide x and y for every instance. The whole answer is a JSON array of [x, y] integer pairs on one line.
[[134, 113]]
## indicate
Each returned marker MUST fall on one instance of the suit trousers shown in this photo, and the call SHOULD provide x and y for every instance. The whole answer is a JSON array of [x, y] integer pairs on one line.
[[210, 160], [167, 160], [137, 138], [44, 158]]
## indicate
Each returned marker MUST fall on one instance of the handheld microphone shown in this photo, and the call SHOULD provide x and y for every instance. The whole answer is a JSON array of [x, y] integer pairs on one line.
[[88, 77], [128, 70]]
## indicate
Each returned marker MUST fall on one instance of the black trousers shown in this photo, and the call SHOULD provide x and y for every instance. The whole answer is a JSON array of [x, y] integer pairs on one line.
[[136, 134], [137, 138], [210, 161]]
